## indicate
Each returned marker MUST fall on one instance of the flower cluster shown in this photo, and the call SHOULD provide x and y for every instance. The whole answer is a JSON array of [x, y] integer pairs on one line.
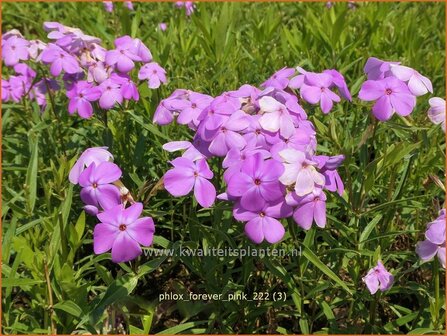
[[268, 146], [393, 87], [434, 243], [121, 229], [188, 5], [90, 73]]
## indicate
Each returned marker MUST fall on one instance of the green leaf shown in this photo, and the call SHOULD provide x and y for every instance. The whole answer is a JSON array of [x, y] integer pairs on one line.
[[31, 173], [69, 307], [318, 263]]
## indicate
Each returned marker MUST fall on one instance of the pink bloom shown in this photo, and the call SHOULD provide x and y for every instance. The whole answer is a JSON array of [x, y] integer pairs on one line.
[[108, 6], [316, 88], [226, 136], [128, 4], [81, 96], [309, 208], [263, 224], [257, 182], [122, 231], [377, 69], [275, 117], [14, 49], [110, 94], [280, 79], [59, 60], [436, 112], [186, 175], [391, 95], [96, 188], [418, 84], [163, 26], [378, 278], [89, 156], [301, 171], [124, 54], [153, 73]]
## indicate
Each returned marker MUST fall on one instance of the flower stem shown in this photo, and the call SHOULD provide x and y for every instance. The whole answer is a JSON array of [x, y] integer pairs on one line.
[[372, 313], [436, 288]]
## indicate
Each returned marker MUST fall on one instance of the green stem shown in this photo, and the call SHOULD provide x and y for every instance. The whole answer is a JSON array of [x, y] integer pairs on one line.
[[372, 313], [436, 285]]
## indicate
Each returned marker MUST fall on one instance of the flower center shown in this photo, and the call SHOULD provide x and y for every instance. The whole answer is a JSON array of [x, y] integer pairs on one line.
[[322, 89], [95, 185], [193, 105], [257, 181], [258, 131], [388, 91], [13, 47], [122, 227], [109, 88], [196, 174], [154, 72], [262, 214], [223, 129], [81, 95]]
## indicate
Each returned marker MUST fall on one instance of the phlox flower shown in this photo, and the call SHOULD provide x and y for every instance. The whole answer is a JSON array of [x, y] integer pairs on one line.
[[236, 157], [316, 88], [191, 151], [378, 278], [89, 156], [190, 109], [13, 89], [110, 94], [189, 6], [275, 117], [123, 55], [97, 72], [391, 95], [339, 81], [434, 243], [280, 79], [256, 136], [128, 4], [153, 73], [263, 224], [123, 231], [257, 182], [129, 89], [81, 96], [376, 69], [417, 84], [35, 48], [14, 49], [327, 166], [186, 175], [163, 26], [96, 188], [309, 208], [226, 136], [59, 60], [436, 112], [301, 171], [108, 6], [140, 49]]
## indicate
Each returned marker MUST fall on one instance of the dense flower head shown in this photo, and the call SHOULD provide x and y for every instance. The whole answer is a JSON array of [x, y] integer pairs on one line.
[[393, 87], [378, 278], [267, 147], [434, 243], [121, 229], [89, 72]]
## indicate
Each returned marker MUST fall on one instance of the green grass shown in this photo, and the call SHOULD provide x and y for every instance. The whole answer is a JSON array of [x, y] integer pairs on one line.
[[47, 240]]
